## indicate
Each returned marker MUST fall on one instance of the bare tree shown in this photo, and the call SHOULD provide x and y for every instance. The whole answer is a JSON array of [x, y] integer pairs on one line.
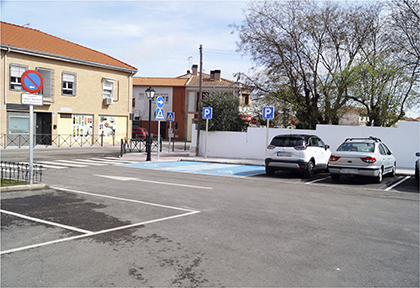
[[386, 71], [304, 52]]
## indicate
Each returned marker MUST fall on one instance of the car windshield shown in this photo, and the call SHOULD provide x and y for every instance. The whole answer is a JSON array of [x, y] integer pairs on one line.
[[357, 147], [143, 130], [287, 142]]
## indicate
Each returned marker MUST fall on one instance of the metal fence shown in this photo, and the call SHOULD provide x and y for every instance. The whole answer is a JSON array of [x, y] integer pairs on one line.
[[139, 145], [19, 172], [19, 140]]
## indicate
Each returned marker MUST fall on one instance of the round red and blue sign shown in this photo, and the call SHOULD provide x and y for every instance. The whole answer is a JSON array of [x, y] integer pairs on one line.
[[32, 81]]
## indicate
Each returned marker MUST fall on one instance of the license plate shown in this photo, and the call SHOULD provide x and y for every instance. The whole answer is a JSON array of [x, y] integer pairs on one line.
[[283, 154], [350, 171]]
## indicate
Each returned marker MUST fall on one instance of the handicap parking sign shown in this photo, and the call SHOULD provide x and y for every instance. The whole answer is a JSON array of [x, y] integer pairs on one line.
[[268, 113]]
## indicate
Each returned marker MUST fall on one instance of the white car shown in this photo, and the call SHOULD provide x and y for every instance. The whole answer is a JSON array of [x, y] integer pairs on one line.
[[362, 157], [304, 153]]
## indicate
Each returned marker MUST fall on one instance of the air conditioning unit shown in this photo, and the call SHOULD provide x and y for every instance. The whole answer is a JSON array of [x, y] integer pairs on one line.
[[108, 101]]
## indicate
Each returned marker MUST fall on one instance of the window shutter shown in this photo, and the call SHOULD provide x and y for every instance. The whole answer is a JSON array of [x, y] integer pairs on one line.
[[74, 84]]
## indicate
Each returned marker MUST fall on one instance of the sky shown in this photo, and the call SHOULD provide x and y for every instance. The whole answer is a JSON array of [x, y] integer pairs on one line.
[[159, 38]]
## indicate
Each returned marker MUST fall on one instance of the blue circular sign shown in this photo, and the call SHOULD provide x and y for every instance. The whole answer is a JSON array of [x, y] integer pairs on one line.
[[160, 102]]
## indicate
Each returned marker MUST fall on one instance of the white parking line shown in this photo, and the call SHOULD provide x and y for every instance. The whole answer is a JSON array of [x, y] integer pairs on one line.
[[90, 233], [95, 233], [119, 178], [317, 180], [46, 222], [398, 183], [121, 199]]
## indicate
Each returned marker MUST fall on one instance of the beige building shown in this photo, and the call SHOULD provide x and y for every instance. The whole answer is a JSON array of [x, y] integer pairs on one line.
[[87, 95]]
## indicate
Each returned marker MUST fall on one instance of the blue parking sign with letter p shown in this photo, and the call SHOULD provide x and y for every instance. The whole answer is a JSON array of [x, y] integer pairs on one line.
[[268, 113], [207, 112]]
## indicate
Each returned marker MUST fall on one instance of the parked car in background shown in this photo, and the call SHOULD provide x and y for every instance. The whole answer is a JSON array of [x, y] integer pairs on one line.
[[139, 132], [362, 157], [417, 168], [304, 153]]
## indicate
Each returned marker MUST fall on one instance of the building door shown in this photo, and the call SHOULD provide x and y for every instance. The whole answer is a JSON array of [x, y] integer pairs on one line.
[[43, 128], [163, 129]]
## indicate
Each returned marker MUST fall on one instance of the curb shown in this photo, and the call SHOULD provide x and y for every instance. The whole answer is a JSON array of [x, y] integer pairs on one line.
[[22, 187]]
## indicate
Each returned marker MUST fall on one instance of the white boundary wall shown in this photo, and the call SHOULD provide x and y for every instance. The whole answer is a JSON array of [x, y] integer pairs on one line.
[[404, 141]]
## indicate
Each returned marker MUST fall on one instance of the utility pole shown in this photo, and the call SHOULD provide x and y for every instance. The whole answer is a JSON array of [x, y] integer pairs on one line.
[[200, 96]]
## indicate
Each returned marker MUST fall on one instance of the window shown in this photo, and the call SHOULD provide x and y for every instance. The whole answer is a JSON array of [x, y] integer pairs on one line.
[[46, 90], [108, 88], [18, 124], [16, 72], [382, 150], [68, 84]]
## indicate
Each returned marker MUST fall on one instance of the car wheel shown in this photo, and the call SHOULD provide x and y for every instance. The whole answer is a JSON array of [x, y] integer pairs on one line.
[[309, 172], [379, 177], [269, 171], [335, 177], [394, 170]]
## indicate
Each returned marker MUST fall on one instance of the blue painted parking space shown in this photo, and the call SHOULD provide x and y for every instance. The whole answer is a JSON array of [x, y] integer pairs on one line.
[[203, 168]]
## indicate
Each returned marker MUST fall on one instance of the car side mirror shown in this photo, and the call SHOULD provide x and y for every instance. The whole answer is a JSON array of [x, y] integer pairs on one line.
[[327, 147], [418, 154], [389, 152]]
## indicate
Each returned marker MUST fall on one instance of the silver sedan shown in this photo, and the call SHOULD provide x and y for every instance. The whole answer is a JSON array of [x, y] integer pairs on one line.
[[362, 157]]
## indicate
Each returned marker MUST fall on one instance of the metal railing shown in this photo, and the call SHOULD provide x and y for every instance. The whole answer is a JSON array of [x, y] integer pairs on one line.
[[20, 140], [139, 145], [19, 172]]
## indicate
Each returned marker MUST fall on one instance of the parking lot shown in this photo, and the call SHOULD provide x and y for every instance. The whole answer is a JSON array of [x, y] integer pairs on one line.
[[401, 182], [167, 226]]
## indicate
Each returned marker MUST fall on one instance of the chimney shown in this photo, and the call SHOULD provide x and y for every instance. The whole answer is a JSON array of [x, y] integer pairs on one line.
[[212, 75], [217, 75], [194, 69]]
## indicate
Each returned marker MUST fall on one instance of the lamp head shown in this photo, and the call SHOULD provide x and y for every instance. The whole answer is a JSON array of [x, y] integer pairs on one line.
[[150, 93]]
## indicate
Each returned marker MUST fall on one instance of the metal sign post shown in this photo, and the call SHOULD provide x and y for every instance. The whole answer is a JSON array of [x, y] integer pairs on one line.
[[170, 117], [158, 145], [268, 113], [31, 100], [159, 116], [32, 82], [207, 114]]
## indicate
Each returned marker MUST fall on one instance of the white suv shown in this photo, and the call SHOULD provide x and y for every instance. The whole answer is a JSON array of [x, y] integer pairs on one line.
[[305, 153]]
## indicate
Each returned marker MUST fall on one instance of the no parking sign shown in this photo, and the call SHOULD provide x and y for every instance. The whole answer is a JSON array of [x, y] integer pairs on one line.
[[32, 81]]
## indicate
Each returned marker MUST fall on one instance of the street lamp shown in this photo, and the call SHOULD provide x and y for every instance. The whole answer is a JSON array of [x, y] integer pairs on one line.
[[150, 93]]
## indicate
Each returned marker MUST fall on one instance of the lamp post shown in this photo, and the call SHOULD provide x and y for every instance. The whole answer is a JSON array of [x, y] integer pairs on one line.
[[150, 93]]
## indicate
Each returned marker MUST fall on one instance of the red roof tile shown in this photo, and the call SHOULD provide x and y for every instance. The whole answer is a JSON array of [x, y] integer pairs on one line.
[[27, 38]]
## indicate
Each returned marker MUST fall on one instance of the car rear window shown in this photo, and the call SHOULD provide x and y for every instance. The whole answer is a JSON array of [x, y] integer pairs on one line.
[[287, 141], [357, 147]]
